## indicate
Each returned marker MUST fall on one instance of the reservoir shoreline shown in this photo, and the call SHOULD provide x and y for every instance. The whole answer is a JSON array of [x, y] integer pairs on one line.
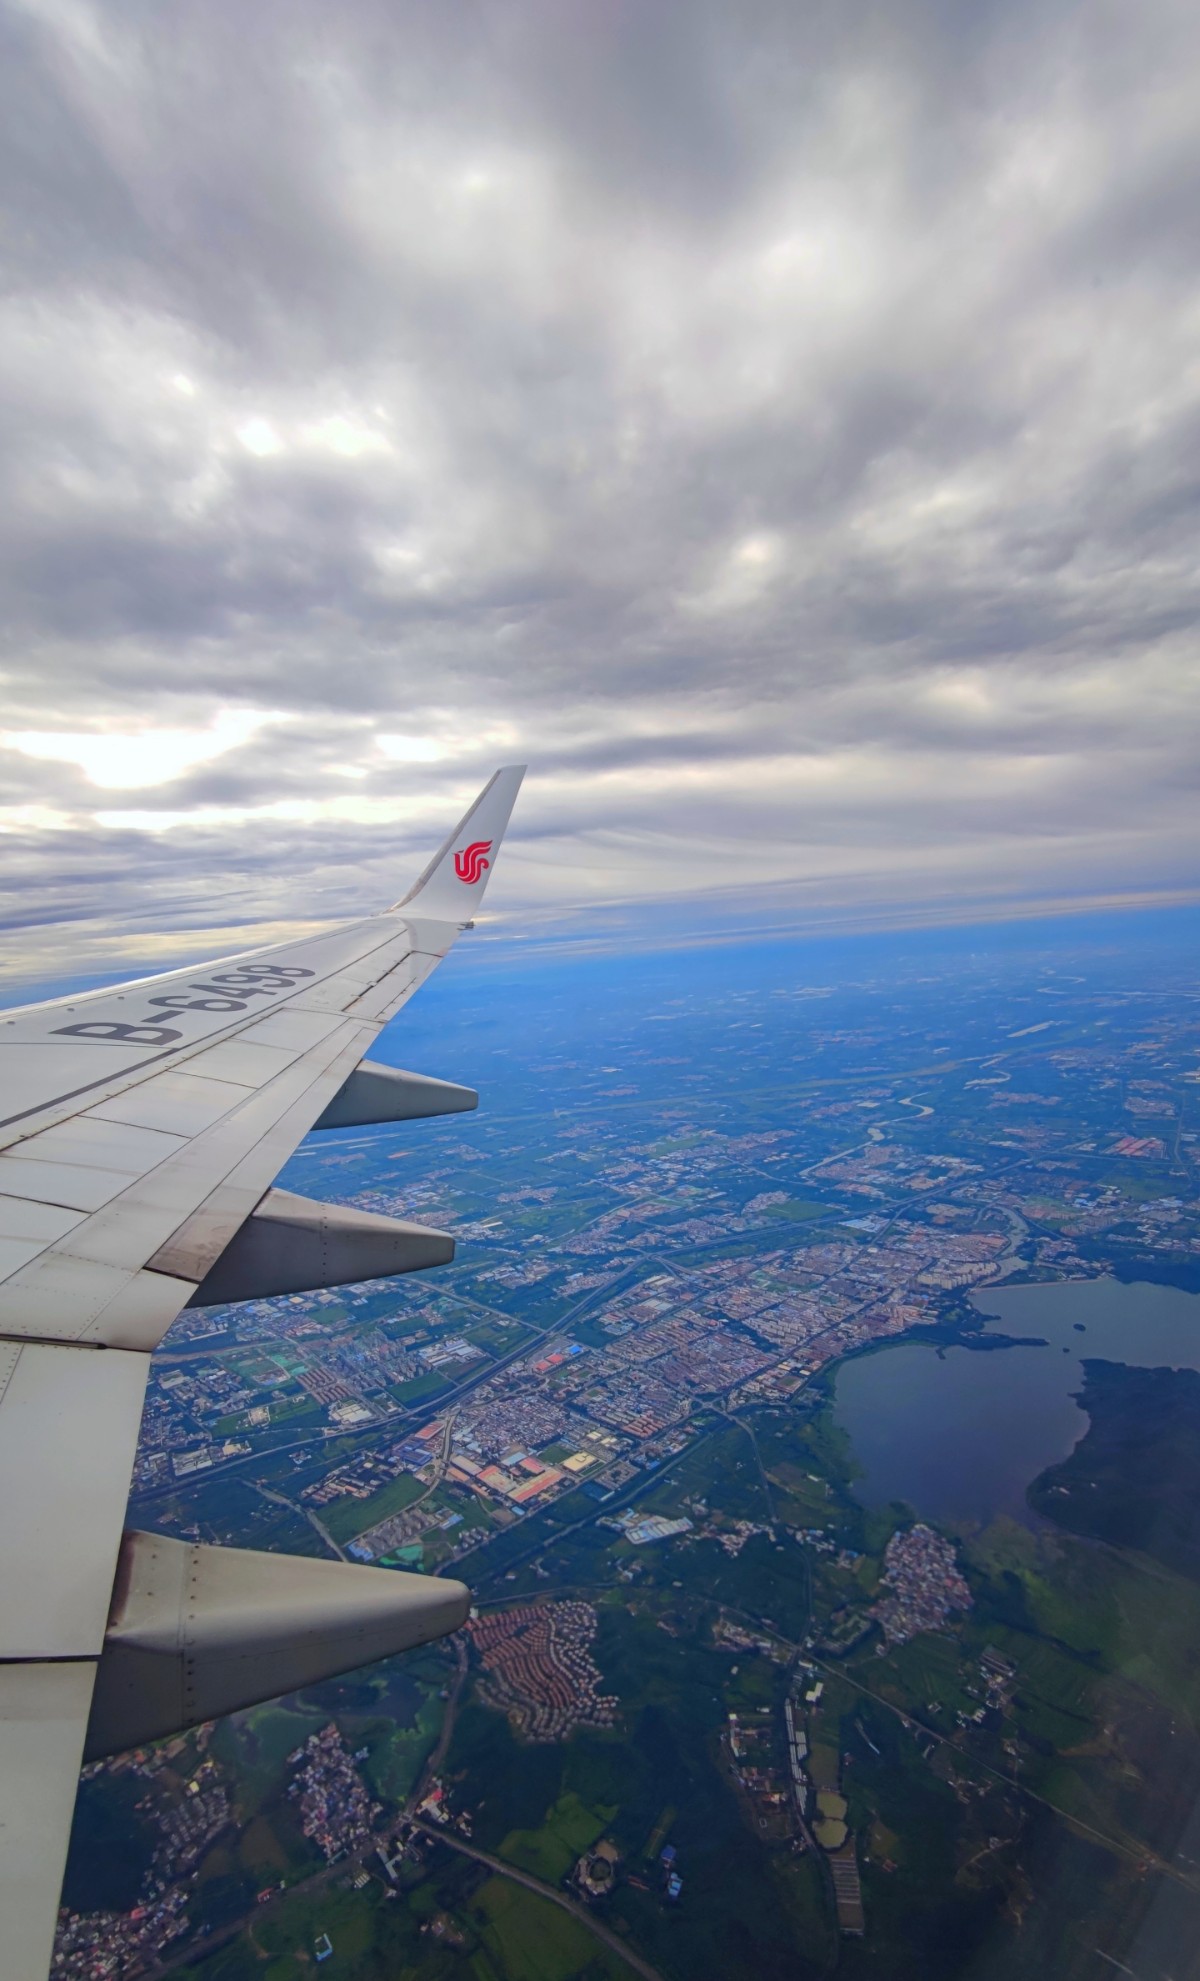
[[960, 1434]]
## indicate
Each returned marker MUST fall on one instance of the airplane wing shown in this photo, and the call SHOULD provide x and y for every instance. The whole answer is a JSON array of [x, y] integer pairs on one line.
[[141, 1129]]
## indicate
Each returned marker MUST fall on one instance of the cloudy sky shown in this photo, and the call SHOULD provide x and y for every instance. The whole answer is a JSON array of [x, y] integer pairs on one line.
[[779, 424]]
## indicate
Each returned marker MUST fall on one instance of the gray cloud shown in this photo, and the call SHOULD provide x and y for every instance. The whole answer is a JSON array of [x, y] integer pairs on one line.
[[779, 425]]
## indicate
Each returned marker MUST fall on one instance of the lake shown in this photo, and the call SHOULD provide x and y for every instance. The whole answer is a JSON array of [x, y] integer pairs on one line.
[[960, 1433]]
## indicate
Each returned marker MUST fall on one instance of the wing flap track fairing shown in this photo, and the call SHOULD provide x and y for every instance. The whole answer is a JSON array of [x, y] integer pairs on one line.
[[292, 1245], [197, 1631]]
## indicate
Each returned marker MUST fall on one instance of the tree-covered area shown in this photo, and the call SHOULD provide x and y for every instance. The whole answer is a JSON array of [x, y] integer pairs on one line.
[[1134, 1477]]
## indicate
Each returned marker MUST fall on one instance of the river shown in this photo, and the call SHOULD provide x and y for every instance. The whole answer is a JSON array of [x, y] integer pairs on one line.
[[960, 1433]]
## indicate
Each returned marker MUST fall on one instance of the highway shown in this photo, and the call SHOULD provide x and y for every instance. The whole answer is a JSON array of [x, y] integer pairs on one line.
[[577, 1911], [408, 1820]]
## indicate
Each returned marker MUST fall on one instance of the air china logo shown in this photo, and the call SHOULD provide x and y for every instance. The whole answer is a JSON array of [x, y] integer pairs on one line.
[[473, 861]]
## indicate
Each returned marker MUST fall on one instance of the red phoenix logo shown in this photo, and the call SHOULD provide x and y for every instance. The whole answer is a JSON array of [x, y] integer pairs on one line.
[[473, 861]]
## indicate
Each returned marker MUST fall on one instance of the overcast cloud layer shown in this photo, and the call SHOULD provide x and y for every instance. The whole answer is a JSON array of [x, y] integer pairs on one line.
[[780, 425]]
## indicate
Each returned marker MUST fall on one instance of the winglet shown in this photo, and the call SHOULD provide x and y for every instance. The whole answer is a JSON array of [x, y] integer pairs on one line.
[[451, 887]]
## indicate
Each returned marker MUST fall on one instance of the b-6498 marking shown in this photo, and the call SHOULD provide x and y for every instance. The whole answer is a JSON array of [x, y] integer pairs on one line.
[[231, 990]]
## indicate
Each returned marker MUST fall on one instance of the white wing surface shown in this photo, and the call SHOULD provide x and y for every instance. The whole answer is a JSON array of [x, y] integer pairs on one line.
[[140, 1131]]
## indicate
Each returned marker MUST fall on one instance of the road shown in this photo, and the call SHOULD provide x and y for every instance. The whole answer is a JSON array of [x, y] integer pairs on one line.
[[399, 1424], [546, 1541], [426, 1777], [305, 1513], [1140, 1855], [402, 1422], [577, 1911], [408, 1820], [406, 1421], [200, 1948], [663, 1262], [550, 1537], [742, 1423], [440, 1462]]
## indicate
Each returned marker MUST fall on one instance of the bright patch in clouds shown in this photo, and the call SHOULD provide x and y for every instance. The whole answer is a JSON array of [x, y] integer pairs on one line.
[[116, 760], [285, 811], [259, 437], [32, 818], [346, 437], [756, 552], [410, 749]]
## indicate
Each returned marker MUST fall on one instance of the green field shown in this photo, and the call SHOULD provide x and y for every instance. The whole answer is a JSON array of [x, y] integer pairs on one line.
[[399, 1745], [569, 1829], [258, 1743], [799, 1210], [348, 1517], [279, 1945], [538, 1941], [419, 1389]]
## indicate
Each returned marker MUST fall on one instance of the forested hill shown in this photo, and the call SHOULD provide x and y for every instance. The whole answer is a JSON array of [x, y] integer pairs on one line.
[[1134, 1478]]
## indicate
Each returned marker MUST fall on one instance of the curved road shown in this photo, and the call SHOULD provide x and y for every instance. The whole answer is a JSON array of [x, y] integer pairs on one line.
[[198, 1948], [577, 1911]]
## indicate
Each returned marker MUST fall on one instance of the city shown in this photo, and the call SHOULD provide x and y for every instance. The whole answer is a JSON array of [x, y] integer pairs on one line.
[[612, 1417]]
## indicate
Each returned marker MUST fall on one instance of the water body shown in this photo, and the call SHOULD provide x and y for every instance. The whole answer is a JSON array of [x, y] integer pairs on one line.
[[959, 1435]]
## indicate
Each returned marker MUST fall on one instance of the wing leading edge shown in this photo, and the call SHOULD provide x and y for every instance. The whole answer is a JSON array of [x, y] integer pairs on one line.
[[143, 1129]]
